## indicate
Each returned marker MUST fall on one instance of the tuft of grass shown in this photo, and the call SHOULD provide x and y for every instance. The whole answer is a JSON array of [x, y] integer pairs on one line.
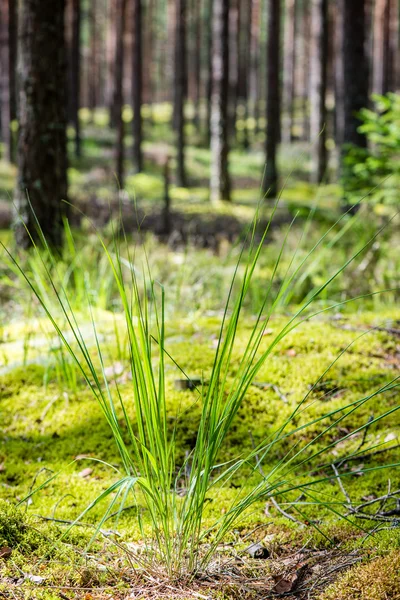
[[174, 491]]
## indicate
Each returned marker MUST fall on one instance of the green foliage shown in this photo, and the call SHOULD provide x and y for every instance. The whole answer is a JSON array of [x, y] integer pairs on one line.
[[375, 171]]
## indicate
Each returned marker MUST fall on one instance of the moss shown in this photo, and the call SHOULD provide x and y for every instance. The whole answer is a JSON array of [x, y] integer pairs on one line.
[[16, 530], [375, 580]]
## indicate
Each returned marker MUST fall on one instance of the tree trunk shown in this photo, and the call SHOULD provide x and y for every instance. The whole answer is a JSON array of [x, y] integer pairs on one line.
[[381, 47], [355, 70], [42, 158], [254, 61], [318, 85], [393, 50], [93, 66], [111, 44], [197, 6], [288, 71], [118, 92], [244, 56], [137, 84], [220, 185], [339, 77], [75, 73], [180, 89], [234, 61], [7, 77], [270, 183], [13, 53], [209, 46]]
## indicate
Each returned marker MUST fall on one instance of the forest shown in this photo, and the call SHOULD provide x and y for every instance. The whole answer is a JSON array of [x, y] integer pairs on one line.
[[199, 299]]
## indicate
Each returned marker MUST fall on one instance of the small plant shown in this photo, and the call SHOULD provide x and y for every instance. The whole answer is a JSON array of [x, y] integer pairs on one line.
[[173, 491], [375, 171]]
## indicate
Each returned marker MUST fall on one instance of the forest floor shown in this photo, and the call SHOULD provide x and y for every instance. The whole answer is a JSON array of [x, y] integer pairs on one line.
[[48, 418], [45, 426]]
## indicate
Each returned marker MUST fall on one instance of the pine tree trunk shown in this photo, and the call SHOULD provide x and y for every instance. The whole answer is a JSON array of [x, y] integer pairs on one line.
[[197, 7], [234, 66], [394, 49], [270, 183], [339, 77], [75, 80], [381, 47], [111, 44], [93, 66], [220, 185], [5, 78], [118, 92], [180, 89], [288, 71], [355, 70], [13, 53], [318, 85], [254, 61], [244, 56], [137, 84], [42, 158], [209, 47]]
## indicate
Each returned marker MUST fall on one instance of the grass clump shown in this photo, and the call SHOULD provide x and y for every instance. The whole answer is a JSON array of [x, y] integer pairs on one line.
[[171, 493]]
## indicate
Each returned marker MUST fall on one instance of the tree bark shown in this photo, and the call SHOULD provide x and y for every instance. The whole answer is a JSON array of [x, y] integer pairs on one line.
[[118, 92], [220, 185], [209, 46], [255, 61], [318, 86], [180, 89], [42, 157], [137, 84], [355, 70], [7, 79], [93, 65], [75, 73], [270, 183], [288, 71], [381, 66]]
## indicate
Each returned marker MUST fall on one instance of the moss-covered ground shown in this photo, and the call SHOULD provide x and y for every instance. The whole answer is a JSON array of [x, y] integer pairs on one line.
[[45, 426]]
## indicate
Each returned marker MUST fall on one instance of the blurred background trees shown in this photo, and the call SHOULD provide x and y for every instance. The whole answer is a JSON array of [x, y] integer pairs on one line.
[[173, 78]]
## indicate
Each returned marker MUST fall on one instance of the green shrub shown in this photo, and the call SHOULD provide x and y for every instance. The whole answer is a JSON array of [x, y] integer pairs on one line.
[[375, 171]]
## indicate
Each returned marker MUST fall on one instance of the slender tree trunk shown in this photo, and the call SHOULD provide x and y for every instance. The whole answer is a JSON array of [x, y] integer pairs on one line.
[[75, 73], [209, 46], [42, 158], [394, 49], [270, 183], [111, 45], [148, 75], [137, 83], [339, 77], [318, 85], [254, 61], [5, 78], [180, 89], [220, 185], [288, 71], [244, 58], [118, 92], [381, 47], [234, 62], [13, 53], [197, 6], [93, 66], [355, 70]]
